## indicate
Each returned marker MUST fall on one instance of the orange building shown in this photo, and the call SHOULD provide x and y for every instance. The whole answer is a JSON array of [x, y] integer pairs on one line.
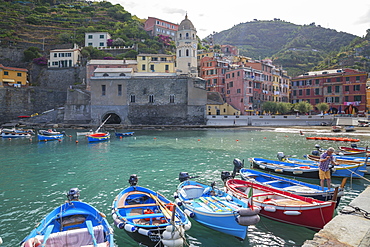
[[13, 77]]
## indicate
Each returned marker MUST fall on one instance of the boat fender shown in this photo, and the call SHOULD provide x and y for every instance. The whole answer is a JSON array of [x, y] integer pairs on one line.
[[262, 166], [340, 193], [270, 209], [187, 226], [178, 202], [175, 195], [173, 242], [119, 223], [248, 211], [292, 212], [189, 213], [248, 220], [32, 242], [279, 170], [130, 228], [171, 235], [144, 232]]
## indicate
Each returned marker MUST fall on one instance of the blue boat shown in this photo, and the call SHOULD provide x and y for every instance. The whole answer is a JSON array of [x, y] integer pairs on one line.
[[49, 137], [124, 134], [98, 137], [290, 185], [148, 217], [74, 223], [342, 170], [285, 168], [214, 208], [346, 160]]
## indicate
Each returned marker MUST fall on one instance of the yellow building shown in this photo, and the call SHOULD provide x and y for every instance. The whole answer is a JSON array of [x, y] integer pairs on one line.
[[368, 95], [217, 106], [158, 63], [14, 77]]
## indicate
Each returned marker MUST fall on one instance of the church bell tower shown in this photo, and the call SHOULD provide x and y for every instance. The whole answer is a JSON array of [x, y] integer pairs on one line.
[[186, 48]]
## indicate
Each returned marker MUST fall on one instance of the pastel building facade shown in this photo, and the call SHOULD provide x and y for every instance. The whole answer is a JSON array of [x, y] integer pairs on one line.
[[155, 27], [13, 77], [97, 39], [64, 58], [343, 89]]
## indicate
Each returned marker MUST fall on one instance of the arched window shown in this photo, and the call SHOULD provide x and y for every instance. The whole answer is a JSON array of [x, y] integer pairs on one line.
[[187, 35], [122, 74], [180, 35], [179, 53], [187, 52], [105, 74]]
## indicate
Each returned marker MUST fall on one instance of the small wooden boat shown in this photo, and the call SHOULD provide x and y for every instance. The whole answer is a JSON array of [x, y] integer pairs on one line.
[[214, 208], [349, 160], [17, 130], [84, 133], [290, 185], [285, 168], [148, 217], [49, 137], [124, 134], [74, 223], [349, 128], [354, 149], [342, 170], [14, 134], [49, 132], [283, 206], [336, 129], [98, 137]]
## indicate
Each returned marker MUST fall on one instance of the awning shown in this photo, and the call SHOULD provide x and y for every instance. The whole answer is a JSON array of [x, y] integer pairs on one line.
[[8, 80]]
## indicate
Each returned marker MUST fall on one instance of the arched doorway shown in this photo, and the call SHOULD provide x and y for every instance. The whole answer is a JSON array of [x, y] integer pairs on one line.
[[114, 118]]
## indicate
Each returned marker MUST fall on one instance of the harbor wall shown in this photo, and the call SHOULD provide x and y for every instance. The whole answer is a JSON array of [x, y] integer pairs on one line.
[[270, 120], [351, 227]]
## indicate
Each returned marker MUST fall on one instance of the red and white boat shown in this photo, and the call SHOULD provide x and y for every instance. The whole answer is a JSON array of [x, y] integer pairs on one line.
[[283, 206]]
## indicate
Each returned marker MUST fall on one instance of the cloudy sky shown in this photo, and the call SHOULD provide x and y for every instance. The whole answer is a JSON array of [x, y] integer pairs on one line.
[[215, 16]]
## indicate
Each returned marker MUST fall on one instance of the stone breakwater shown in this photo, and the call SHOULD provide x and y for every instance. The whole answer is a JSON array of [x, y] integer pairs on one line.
[[350, 228]]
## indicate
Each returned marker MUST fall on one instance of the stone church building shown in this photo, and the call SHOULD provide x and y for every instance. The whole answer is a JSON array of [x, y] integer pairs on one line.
[[133, 98]]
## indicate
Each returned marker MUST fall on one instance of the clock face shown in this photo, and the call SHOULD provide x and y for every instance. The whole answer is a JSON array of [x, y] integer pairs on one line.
[[194, 46]]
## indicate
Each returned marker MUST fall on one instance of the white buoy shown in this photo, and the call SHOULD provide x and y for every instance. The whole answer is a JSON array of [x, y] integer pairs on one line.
[[1, 240]]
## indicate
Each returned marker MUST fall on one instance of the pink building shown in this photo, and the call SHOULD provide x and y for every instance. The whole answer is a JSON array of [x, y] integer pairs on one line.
[[155, 26]]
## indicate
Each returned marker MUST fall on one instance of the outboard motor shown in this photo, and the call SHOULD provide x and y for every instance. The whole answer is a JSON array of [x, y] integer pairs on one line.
[[238, 164], [183, 176], [225, 175], [133, 180], [281, 156], [317, 146], [73, 194], [315, 152], [353, 145]]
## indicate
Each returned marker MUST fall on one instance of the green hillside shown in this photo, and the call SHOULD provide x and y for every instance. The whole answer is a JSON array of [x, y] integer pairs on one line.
[[50, 22], [297, 48]]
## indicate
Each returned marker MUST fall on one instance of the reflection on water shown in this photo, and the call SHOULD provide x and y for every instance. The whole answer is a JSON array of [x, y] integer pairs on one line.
[[35, 176]]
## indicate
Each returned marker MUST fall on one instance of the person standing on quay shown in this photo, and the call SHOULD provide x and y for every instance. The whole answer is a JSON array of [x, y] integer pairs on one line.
[[324, 170]]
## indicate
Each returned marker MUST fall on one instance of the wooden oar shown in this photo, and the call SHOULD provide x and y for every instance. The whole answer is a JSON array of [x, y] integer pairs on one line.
[[166, 212]]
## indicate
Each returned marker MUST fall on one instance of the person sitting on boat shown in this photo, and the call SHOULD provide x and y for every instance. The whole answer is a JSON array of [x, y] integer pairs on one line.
[[324, 167]]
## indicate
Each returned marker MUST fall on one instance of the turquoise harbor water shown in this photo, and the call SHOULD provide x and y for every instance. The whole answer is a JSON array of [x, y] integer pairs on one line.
[[35, 176]]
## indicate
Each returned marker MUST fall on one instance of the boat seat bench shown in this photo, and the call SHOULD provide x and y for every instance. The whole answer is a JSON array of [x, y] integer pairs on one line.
[[143, 216]]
